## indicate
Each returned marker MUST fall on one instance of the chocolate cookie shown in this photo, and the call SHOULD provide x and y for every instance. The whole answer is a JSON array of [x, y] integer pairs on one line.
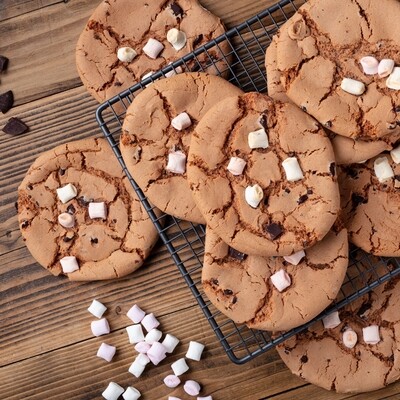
[[263, 175], [156, 135], [127, 39], [324, 69], [79, 215], [242, 287]]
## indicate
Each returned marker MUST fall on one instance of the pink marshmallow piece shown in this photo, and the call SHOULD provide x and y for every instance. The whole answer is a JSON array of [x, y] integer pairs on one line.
[[371, 334], [157, 353], [349, 338], [100, 327], [150, 322], [176, 162], [97, 210], [369, 65], [136, 314], [181, 121], [281, 280], [106, 352], [332, 320], [295, 258], [192, 388], [142, 347], [236, 166], [153, 48], [69, 264], [172, 381]]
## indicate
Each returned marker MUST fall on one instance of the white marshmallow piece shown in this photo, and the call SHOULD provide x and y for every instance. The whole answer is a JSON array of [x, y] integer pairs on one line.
[[195, 351], [142, 359], [153, 336], [66, 193], [281, 280], [349, 338], [292, 169], [142, 347], [331, 320], [371, 334], [173, 398], [136, 314], [353, 86], [383, 170], [157, 353], [192, 388], [179, 367], [177, 38], [181, 121], [113, 391], [150, 322], [66, 220], [153, 48], [295, 258], [145, 76], [97, 210], [170, 342], [385, 67], [69, 264], [106, 352], [100, 327], [172, 381], [176, 162], [205, 398], [253, 195], [395, 154], [131, 393], [258, 139], [236, 166], [126, 54], [393, 81], [97, 309], [136, 369], [369, 65], [135, 333], [176, 71]]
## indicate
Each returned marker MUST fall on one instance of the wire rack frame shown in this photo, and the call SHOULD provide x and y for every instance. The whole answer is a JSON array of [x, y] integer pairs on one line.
[[244, 67]]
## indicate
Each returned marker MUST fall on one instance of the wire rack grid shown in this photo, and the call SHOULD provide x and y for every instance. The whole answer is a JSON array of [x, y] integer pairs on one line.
[[185, 241]]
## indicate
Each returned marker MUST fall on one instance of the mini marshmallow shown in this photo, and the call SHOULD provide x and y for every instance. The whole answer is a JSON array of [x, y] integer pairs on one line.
[[153, 336], [69, 264], [181, 121], [98, 210], [192, 388], [173, 398], [349, 338], [371, 334], [281, 280], [142, 347], [145, 76], [177, 38], [383, 170], [150, 322], [236, 166], [369, 65], [253, 195], [126, 54], [156, 353], [332, 320], [66, 220], [153, 48], [106, 352], [131, 393], [205, 398], [295, 258], [292, 169], [172, 381], [393, 81], [176, 162], [385, 67], [352, 86], [395, 154], [195, 351], [66, 193], [100, 327], [142, 359], [135, 333], [258, 139], [170, 342], [177, 70], [136, 369], [136, 314], [179, 367], [113, 391], [97, 309]]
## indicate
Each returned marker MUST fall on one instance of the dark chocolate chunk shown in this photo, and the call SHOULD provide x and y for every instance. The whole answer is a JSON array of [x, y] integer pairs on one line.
[[274, 230], [197, 40], [309, 191], [353, 173], [215, 281], [304, 108], [6, 101], [287, 190], [302, 199], [29, 187], [3, 63], [234, 300], [71, 209], [357, 199], [15, 126], [61, 171], [304, 359], [397, 177], [24, 224], [228, 292], [176, 10], [68, 237], [117, 83], [328, 124], [364, 308], [332, 168], [94, 240], [263, 122], [236, 254]]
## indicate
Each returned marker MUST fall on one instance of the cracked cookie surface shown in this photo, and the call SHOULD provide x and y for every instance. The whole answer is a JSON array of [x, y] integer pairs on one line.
[[241, 287], [303, 211], [148, 136], [131, 23], [104, 249]]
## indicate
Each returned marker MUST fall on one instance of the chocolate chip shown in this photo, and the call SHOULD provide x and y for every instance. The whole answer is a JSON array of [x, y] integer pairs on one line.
[[274, 230], [68, 237], [61, 171], [117, 83], [287, 190], [228, 292], [176, 10], [397, 109], [328, 124], [234, 300], [197, 40], [332, 168], [15, 126], [309, 191], [24, 224], [3, 63], [71, 209], [29, 187], [236, 254], [6, 101], [263, 122], [304, 359], [94, 240], [302, 199], [215, 281], [358, 199], [304, 108], [352, 173], [363, 309]]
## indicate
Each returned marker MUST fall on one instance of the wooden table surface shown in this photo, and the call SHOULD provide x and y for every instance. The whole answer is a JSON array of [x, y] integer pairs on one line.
[[47, 350]]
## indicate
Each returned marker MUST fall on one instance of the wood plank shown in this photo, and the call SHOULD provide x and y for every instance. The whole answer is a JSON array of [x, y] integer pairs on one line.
[[14, 8]]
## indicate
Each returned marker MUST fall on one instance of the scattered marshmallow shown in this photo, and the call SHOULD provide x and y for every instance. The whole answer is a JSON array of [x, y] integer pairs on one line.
[[179, 367], [176, 162], [142, 359], [69, 264], [281, 280], [352, 86], [331, 320], [395, 154], [153, 336], [292, 169], [113, 391], [393, 81], [258, 139], [136, 314], [173, 398], [172, 381], [195, 351], [106, 352], [205, 398], [371, 334], [170, 342], [136, 369], [385, 67], [100, 327], [153, 48], [150, 322], [295, 258], [192, 388], [131, 393], [66, 220], [98, 210], [66, 193], [253, 195], [369, 65], [383, 170], [97, 309], [349, 338], [135, 333], [236, 166], [157, 353], [142, 347], [173, 72], [177, 38], [181, 121], [126, 54]]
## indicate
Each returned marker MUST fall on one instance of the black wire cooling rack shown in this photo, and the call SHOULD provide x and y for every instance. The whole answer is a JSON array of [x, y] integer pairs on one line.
[[185, 241]]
